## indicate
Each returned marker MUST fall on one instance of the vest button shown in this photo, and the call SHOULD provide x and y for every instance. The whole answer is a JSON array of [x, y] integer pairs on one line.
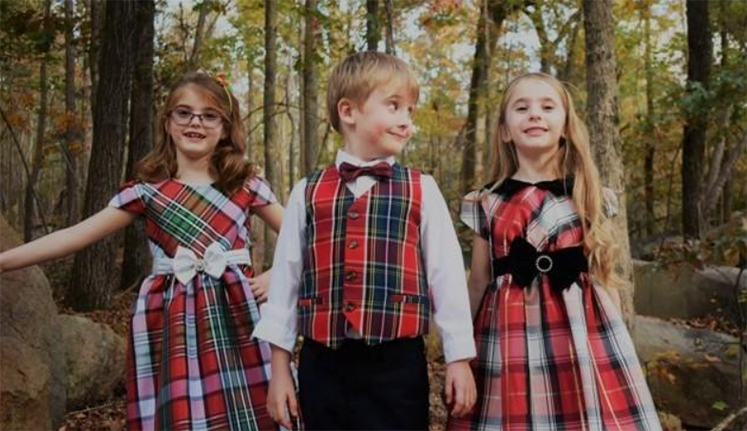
[[351, 275], [349, 306], [353, 244], [353, 214]]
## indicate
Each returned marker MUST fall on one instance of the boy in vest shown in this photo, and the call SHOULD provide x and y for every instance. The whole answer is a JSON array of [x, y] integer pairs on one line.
[[367, 249]]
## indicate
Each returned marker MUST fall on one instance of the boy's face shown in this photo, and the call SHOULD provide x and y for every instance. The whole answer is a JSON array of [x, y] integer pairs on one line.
[[382, 125]]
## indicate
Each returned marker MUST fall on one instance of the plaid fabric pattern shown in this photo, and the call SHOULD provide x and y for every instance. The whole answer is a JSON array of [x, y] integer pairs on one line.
[[191, 361], [548, 360], [362, 261]]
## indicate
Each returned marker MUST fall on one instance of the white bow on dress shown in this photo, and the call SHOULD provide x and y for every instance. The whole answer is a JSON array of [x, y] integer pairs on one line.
[[187, 265]]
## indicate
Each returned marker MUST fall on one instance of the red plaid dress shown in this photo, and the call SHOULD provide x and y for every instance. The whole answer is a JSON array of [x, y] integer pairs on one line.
[[191, 361], [548, 360]]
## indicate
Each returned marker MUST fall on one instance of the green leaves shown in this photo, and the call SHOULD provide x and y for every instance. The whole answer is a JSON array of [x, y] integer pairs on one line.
[[720, 406]]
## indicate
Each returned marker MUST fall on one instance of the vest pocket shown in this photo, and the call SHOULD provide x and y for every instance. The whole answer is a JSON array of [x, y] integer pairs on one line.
[[399, 298], [308, 302]]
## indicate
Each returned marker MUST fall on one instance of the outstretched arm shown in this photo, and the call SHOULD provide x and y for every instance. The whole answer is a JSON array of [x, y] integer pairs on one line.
[[66, 241]]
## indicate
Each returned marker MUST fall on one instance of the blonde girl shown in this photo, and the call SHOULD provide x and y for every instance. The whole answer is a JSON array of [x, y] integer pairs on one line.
[[552, 350]]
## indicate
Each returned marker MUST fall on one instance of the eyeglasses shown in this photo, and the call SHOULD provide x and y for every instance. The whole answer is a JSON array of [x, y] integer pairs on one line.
[[208, 119]]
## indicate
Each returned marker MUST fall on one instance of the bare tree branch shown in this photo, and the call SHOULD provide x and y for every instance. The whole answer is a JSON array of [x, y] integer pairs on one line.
[[25, 167]]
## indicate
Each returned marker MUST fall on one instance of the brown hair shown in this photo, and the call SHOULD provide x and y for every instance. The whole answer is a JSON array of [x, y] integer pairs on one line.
[[356, 77], [227, 163], [573, 158]]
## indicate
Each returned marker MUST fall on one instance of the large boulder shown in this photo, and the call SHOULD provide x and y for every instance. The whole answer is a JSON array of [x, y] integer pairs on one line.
[[95, 360], [683, 292], [693, 373], [32, 394], [49, 363], [32, 382]]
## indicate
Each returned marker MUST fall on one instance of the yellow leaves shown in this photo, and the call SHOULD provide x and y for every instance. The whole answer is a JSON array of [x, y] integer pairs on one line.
[[732, 254], [25, 99], [659, 370], [65, 120], [659, 367], [441, 6], [18, 121], [732, 352]]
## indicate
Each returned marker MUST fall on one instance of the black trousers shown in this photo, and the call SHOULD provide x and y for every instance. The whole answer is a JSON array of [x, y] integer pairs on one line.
[[360, 387]]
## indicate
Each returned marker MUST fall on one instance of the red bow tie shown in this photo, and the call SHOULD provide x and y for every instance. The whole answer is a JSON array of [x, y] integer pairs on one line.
[[349, 172]]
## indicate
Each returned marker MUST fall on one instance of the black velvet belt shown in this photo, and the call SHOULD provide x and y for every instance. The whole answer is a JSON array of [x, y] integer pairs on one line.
[[525, 263]]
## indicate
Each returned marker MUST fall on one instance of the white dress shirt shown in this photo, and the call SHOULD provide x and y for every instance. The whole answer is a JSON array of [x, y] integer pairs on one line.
[[439, 247]]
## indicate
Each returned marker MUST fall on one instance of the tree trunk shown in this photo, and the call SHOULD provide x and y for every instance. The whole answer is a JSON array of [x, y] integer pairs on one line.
[[137, 258], [726, 195], [373, 29], [256, 244], [547, 50], [648, 164], [28, 219], [726, 168], [476, 88], [487, 34], [310, 101], [726, 201], [293, 142], [271, 132], [97, 9], [72, 133], [488, 111], [718, 183], [601, 89], [549, 47], [699, 49], [93, 276], [193, 61], [250, 111], [389, 42], [569, 66]]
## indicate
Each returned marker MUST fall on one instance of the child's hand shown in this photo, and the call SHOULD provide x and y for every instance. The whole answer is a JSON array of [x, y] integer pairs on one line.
[[281, 398], [259, 286], [460, 388]]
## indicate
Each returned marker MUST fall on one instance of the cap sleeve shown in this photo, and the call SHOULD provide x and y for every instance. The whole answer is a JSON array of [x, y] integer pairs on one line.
[[260, 191], [473, 214], [129, 198]]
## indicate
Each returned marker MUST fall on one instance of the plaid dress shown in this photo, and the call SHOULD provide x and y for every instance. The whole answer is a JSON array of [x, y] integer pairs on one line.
[[548, 360], [191, 361]]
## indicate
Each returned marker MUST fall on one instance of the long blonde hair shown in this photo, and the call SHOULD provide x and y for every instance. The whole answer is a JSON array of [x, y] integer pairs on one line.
[[573, 158], [227, 163]]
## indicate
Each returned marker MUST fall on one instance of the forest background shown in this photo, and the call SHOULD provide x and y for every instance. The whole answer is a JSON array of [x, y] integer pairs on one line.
[[661, 84]]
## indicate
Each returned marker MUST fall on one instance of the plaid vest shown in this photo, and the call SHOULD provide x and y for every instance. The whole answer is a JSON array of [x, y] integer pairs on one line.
[[362, 265]]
